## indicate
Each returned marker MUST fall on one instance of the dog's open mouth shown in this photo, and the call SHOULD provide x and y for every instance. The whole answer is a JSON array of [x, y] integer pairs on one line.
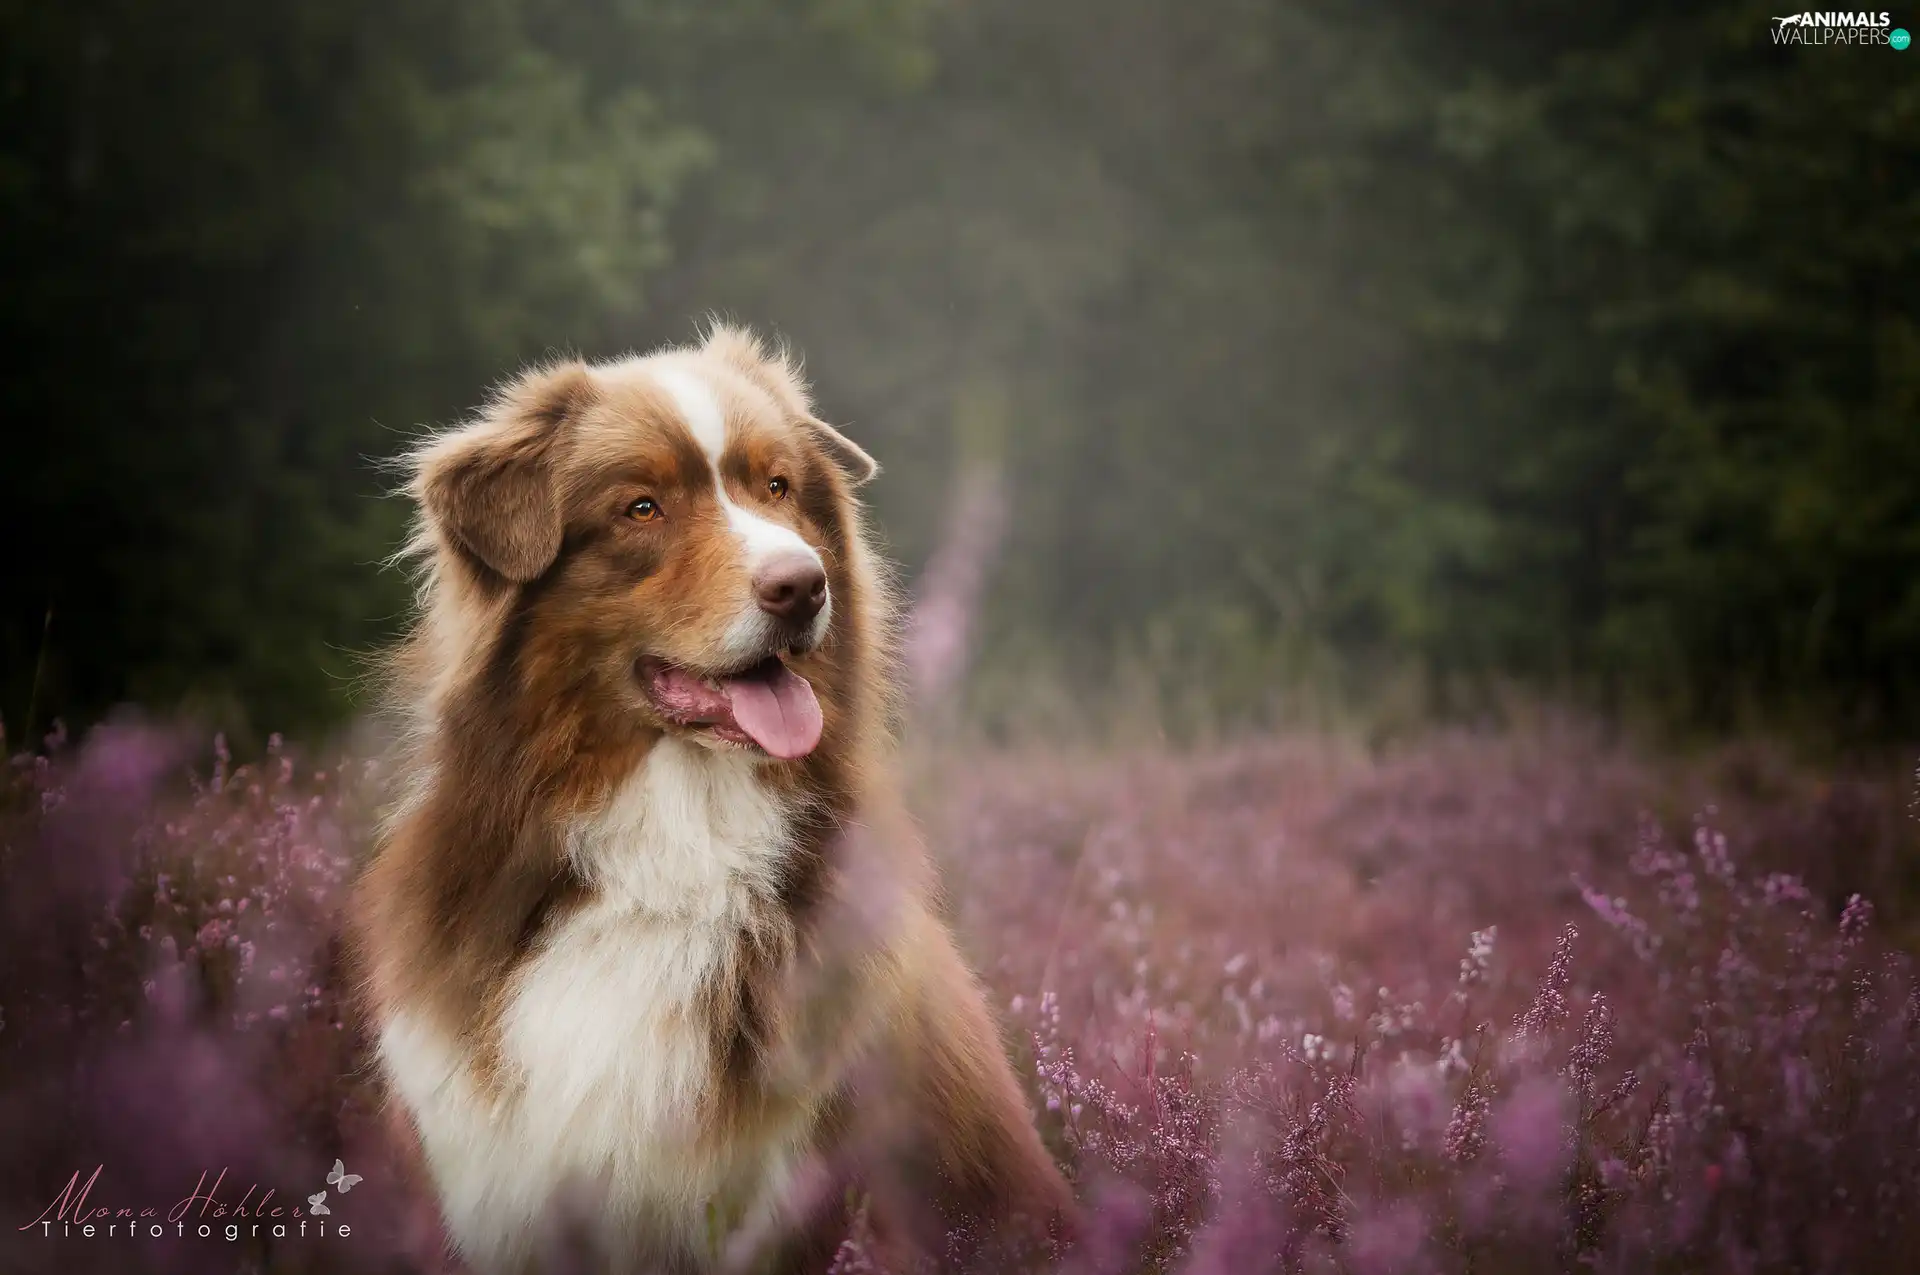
[[767, 705]]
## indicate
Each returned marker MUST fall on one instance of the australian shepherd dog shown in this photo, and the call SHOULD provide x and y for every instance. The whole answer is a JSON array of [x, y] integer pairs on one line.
[[652, 955]]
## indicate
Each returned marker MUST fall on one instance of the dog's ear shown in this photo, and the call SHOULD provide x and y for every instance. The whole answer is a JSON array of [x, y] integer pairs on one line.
[[859, 467], [777, 370], [489, 488]]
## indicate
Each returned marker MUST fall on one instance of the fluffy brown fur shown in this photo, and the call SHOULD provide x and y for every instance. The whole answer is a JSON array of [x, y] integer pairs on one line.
[[826, 1020]]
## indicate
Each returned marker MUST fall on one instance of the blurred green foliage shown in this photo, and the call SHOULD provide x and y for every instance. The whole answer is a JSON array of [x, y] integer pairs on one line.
[[1578, 345]]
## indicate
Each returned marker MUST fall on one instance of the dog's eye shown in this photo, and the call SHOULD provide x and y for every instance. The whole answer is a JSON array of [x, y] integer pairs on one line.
[[643, 510], [777, 488]]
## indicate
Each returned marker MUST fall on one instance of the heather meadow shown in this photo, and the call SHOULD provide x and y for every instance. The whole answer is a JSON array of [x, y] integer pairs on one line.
[[1518, 1002]]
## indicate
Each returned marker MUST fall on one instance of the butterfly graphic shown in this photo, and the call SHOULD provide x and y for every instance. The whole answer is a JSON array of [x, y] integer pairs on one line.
[[317, 1205], [341, 1178]]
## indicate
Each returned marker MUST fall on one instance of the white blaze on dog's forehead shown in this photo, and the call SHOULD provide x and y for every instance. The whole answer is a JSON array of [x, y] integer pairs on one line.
[[699, 408]]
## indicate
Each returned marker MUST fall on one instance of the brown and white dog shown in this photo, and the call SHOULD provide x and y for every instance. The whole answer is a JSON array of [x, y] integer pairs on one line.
[[647, 942]]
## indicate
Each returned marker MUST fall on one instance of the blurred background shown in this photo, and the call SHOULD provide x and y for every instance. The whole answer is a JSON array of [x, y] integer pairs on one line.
[[1395, 362]]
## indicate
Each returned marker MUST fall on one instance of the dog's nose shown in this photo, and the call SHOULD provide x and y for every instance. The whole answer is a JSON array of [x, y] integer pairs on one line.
[[792, 587]]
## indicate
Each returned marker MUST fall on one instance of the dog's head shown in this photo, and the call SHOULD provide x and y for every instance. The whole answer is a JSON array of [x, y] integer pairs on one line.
[[669, 536]]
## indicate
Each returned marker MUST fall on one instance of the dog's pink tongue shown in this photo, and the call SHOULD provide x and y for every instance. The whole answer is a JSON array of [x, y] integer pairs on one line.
[[777, 709]]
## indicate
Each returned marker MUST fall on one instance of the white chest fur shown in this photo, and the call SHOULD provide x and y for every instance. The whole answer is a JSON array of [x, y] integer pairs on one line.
[[605, 1056]]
